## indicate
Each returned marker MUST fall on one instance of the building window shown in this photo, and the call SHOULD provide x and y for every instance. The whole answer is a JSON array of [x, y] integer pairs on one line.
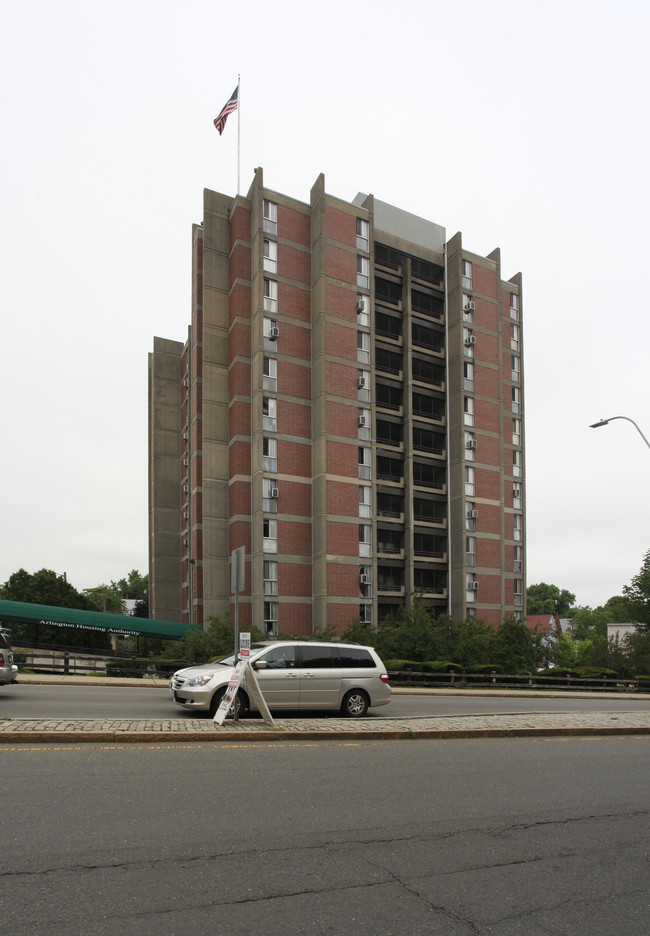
[[364, 424], [517, 527], [519, 591], [514, 306], [468, 375], [363, 234], [270, 536], [516, 368], [269, 454], [468, 308], [470, 516], [470, 550], [471, 586], [363, 383], [365, 539], [270, 577], [363, 272], [516, 463], [516, 496], [363, 311], [363, 348], [271, 617], [269, 414], [516, 400], [365, 613], [516, 431], [514, 337], [365, 501], [364, 463], [470, 446], [270, 220], [270, 374], [270, 256], [468, 411], [519, 559], [467, 274], [270, 295], [470, 480], [269, 495], [270, 333], [469, 340], [365, 581]]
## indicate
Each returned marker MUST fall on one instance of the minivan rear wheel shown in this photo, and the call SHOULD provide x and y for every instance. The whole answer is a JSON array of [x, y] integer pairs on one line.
[[355, 704]]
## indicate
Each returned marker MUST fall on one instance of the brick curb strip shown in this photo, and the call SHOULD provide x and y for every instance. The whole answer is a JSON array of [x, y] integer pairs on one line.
[[116, 731]]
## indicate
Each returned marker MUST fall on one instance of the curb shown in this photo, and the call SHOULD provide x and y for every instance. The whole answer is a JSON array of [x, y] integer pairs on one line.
[[275, 735]]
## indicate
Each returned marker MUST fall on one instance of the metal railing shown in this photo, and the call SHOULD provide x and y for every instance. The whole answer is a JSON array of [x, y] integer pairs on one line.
[[528, 681]]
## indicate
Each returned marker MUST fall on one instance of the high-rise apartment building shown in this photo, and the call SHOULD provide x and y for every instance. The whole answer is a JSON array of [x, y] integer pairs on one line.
[[348, 406]]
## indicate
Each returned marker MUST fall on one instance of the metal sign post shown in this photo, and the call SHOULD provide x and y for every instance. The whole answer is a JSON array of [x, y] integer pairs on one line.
[[237, 580]]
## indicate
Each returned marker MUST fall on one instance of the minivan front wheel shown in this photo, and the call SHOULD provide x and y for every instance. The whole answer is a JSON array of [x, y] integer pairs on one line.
[[355, 704], [240, 703]]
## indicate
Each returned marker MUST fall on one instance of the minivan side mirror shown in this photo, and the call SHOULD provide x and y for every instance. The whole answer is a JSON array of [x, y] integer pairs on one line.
[[262, 664]]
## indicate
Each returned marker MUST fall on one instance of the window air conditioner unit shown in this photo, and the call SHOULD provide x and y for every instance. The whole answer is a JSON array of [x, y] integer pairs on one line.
[[274, 493], [470, 340], [363, 383], [472, 514], [472, 444], [363, 421], [186, 435], [469, 306], [361, 305], [186, 542], [364, 578], [274, 333], [185, 489], [186, 462], [186, 515], [473, 586], [186, 382]]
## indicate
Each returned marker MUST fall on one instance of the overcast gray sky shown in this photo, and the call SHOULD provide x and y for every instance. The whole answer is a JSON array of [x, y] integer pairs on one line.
[[522, 124]]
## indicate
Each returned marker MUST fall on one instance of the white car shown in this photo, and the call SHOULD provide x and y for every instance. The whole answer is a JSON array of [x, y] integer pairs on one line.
[[292, 675], [8, 670]]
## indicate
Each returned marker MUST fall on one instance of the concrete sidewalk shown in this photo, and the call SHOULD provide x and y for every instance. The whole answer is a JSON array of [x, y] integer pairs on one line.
[[374, 727]]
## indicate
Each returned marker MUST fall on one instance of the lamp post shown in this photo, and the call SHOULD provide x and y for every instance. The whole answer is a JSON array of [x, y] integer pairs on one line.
[[604, 422]]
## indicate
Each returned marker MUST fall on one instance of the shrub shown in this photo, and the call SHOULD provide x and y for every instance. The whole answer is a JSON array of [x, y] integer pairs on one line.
[[441, 666], [403, 666], [486, 669]]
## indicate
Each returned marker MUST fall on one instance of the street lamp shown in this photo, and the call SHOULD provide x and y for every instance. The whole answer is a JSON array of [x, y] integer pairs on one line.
[[604, 422]]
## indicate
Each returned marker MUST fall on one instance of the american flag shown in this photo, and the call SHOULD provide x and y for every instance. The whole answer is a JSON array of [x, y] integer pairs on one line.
[[230, 106]]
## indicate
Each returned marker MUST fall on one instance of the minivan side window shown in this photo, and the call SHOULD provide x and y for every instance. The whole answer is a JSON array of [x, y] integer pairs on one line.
[[319, 657], [355, 657], [280, 658]]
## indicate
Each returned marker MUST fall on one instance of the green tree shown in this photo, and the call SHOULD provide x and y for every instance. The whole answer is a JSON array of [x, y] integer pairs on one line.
[[134, 586], [517, 649], [48, 588], [217, 640], [638, 592], [105, 598], [547, 599]]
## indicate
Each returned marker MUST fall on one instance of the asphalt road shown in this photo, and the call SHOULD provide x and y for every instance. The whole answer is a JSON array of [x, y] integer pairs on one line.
[[545, 837], [62, 701]]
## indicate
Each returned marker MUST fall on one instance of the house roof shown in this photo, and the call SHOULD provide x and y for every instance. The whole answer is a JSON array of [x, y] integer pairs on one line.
[[543, 623]]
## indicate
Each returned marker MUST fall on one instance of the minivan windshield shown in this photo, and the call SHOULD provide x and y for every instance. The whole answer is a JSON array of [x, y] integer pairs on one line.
[[230, 659]]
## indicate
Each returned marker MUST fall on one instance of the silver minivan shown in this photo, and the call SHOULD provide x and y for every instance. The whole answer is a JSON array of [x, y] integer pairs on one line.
[[8, 670], [292, 675]]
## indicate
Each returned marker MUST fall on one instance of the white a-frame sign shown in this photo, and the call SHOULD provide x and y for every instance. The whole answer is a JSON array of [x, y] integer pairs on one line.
[[258, 701]]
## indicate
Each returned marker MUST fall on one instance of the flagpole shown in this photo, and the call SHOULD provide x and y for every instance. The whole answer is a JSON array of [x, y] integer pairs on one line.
[[238, 136]]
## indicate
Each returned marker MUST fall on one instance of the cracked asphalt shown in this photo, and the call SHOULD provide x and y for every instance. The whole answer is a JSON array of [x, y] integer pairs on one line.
[[538, 836]]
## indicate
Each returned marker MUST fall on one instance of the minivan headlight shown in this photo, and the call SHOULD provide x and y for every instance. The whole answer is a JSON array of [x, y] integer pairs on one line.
[[201, 680]]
